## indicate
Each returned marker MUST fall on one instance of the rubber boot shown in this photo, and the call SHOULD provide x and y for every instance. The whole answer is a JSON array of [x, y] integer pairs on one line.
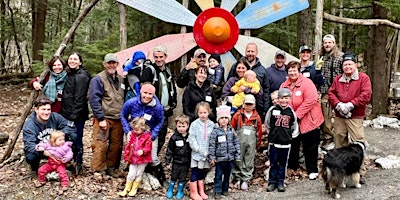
[[128, 186], [201, 189], [170, 191], [193, 191], [180, 193], [134, 189]]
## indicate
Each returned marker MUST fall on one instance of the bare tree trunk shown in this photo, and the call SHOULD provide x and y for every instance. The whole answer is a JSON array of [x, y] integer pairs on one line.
[[304, 27], [14, 32], [34, 93], [122, 26], [397, 55], [333, 12], [377, 65], [318, 27], [341, 27], [38, 28], [2, 38]]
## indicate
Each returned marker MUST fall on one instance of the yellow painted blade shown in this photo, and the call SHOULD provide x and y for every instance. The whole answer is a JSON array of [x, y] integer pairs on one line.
[[205, 4]]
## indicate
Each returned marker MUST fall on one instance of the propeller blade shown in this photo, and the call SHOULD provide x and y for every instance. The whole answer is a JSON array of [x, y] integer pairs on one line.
[[227, 60], [228, 4], [205, 4], [263, 12], [165, 10], [176, 44], [266, 51]]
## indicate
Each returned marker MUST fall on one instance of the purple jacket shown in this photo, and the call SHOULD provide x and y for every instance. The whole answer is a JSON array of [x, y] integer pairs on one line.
[[60, 152]]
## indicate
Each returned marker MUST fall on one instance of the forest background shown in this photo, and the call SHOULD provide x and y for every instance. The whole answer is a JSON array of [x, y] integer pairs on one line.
[[32, 30]]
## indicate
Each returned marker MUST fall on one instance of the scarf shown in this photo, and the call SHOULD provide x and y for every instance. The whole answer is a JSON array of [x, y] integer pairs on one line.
[[55, 83]]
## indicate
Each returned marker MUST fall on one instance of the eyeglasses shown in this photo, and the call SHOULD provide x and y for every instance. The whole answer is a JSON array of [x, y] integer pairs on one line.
[[42, 102], [201, 56]]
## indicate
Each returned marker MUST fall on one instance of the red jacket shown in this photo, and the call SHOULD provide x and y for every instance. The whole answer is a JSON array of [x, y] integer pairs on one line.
[[138, 142], [358, 92], [255, 116], [305, 103]]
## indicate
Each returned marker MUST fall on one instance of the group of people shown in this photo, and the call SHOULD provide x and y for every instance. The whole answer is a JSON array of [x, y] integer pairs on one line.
[[222, 125]]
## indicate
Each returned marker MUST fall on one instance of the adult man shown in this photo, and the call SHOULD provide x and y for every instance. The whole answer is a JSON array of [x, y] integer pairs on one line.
[[187, 73], [331, 67], [165, 88], [350, 108], [308, 67], [253, 63], [40, 124], [277, 73], [106, 97], [148, 106]]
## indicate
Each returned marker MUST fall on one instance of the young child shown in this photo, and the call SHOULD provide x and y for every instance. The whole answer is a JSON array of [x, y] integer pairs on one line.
[[137, 153], [274, 97], [138, 58], [249, 80], [248, 126], [216, 74], [224, 149], [179, 152], [199, 135], [61, 153], [281, 123]]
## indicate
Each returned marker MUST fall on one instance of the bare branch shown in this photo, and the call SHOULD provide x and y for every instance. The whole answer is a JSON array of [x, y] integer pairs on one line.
[[365, 22]]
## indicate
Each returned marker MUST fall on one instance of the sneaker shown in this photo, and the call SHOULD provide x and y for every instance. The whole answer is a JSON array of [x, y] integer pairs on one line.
[[244, 186], [217, 196], [225, 193], [237, 185], [271, 188], [313, 176], [281, 188]]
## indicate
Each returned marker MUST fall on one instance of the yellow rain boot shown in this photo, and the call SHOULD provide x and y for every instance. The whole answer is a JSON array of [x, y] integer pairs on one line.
[[134, 189], [128, 186]]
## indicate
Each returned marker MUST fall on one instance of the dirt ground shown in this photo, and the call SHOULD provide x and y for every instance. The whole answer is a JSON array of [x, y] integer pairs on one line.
[[16, 183]]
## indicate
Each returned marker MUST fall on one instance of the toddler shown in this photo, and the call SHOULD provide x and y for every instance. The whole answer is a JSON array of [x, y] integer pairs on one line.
[[60, 153], [137, 154], [216, 74], [249, 80]]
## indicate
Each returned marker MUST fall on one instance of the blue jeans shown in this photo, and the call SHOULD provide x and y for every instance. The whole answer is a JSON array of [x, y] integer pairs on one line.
[[222, 168], [278, 160], [78, 143]]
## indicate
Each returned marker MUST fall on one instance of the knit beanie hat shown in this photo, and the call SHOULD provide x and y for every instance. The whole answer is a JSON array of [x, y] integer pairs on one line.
[[216, 57], [223, 111]]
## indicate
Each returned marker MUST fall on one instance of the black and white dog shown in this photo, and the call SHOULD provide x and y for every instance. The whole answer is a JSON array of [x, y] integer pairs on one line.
[[341, 163]]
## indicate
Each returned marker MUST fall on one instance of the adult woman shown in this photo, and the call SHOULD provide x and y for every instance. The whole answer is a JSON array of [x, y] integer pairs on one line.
[[53, 82], [309, 113], [197, 91], [74, 105], [237, 75]]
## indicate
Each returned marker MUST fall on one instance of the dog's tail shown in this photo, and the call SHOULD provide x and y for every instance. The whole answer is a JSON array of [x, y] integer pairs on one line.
[[334, 176]]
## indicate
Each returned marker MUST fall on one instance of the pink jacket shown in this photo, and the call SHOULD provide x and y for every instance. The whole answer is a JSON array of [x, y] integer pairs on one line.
[[138, 142], [358, 92], [305, 103]]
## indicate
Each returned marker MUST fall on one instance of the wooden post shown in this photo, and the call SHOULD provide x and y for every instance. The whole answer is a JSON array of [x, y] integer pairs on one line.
[[318, 27]]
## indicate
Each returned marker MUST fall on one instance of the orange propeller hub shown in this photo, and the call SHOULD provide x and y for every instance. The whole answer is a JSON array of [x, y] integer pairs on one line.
[[216, 30]]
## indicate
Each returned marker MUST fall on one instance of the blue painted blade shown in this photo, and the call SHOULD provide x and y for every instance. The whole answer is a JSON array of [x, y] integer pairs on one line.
[[228, 4], [263, 12], [165, 10]]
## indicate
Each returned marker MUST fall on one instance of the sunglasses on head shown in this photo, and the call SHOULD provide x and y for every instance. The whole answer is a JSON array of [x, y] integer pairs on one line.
[[201, 56]]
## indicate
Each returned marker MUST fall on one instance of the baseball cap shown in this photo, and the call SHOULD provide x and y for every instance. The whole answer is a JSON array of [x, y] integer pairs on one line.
[[329, 37], [284, 92], [249, 99], [110, 57], [160, 48], [280, 52], [198, 52], [304, 47]]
